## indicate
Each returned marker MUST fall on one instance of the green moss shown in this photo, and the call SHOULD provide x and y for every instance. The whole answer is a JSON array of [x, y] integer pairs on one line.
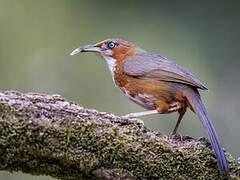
[[68, 146]]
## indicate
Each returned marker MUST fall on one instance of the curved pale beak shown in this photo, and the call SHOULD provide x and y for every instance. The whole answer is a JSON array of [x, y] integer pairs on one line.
[[86, 48]]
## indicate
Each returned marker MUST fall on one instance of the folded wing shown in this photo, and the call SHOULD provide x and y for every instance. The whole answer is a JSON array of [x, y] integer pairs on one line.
[[154, 66]]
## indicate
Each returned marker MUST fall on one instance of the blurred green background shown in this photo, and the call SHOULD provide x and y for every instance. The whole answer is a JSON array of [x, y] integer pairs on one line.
[[203, 36]]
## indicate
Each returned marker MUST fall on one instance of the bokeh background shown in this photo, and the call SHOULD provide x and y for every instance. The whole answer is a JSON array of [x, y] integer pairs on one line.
[[36, 38]]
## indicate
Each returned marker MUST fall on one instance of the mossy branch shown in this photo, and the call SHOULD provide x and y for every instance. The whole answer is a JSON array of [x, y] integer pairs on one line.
[[46, 135]]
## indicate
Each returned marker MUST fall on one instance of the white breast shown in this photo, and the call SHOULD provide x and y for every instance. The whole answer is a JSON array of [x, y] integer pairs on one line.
[[111, 64]]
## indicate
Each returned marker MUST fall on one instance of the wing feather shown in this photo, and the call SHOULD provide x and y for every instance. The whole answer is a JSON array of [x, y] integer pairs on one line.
[[155, 66]]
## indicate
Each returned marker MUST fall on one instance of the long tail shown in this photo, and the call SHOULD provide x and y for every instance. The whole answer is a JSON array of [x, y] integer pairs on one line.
[[199, 108]]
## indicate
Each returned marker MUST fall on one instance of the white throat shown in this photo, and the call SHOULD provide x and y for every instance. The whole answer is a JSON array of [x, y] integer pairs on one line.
[[111, 64]]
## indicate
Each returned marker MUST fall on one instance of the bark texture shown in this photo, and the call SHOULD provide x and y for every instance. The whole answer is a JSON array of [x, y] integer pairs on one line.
[[46, 135]]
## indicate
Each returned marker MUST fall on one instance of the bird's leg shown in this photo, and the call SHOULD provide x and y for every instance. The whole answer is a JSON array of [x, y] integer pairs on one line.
[[139, 114], [181, 114]]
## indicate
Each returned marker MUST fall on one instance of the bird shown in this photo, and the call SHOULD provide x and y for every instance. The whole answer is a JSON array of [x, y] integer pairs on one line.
[[157, 84]]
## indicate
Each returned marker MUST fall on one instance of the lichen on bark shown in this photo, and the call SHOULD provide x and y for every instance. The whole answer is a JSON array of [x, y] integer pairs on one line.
[[46, 135]]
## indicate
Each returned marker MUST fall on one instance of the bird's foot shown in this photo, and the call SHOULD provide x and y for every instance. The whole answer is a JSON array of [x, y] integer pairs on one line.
[[131, 119], [129, 116], [176, 136]]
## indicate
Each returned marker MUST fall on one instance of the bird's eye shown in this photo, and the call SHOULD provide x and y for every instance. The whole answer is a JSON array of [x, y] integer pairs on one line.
[[111, 45]]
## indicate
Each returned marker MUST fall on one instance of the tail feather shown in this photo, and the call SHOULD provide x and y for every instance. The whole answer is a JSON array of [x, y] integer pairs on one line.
[[199, 108]]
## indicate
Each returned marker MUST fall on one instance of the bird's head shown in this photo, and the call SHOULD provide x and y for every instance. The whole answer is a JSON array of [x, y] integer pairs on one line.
[[116, 49]]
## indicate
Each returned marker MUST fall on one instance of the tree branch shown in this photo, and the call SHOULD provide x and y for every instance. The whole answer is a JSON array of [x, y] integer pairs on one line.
[[46, 135]]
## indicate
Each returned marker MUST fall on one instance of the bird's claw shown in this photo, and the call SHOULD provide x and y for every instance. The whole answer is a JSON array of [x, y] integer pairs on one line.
[[177, 136], [131, 119], [129, 116]]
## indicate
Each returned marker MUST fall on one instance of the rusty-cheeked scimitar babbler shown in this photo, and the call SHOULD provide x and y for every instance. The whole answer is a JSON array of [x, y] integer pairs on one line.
[[157, 84]]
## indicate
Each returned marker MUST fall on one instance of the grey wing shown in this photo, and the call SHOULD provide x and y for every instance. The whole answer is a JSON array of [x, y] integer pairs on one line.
[[154, 66]]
